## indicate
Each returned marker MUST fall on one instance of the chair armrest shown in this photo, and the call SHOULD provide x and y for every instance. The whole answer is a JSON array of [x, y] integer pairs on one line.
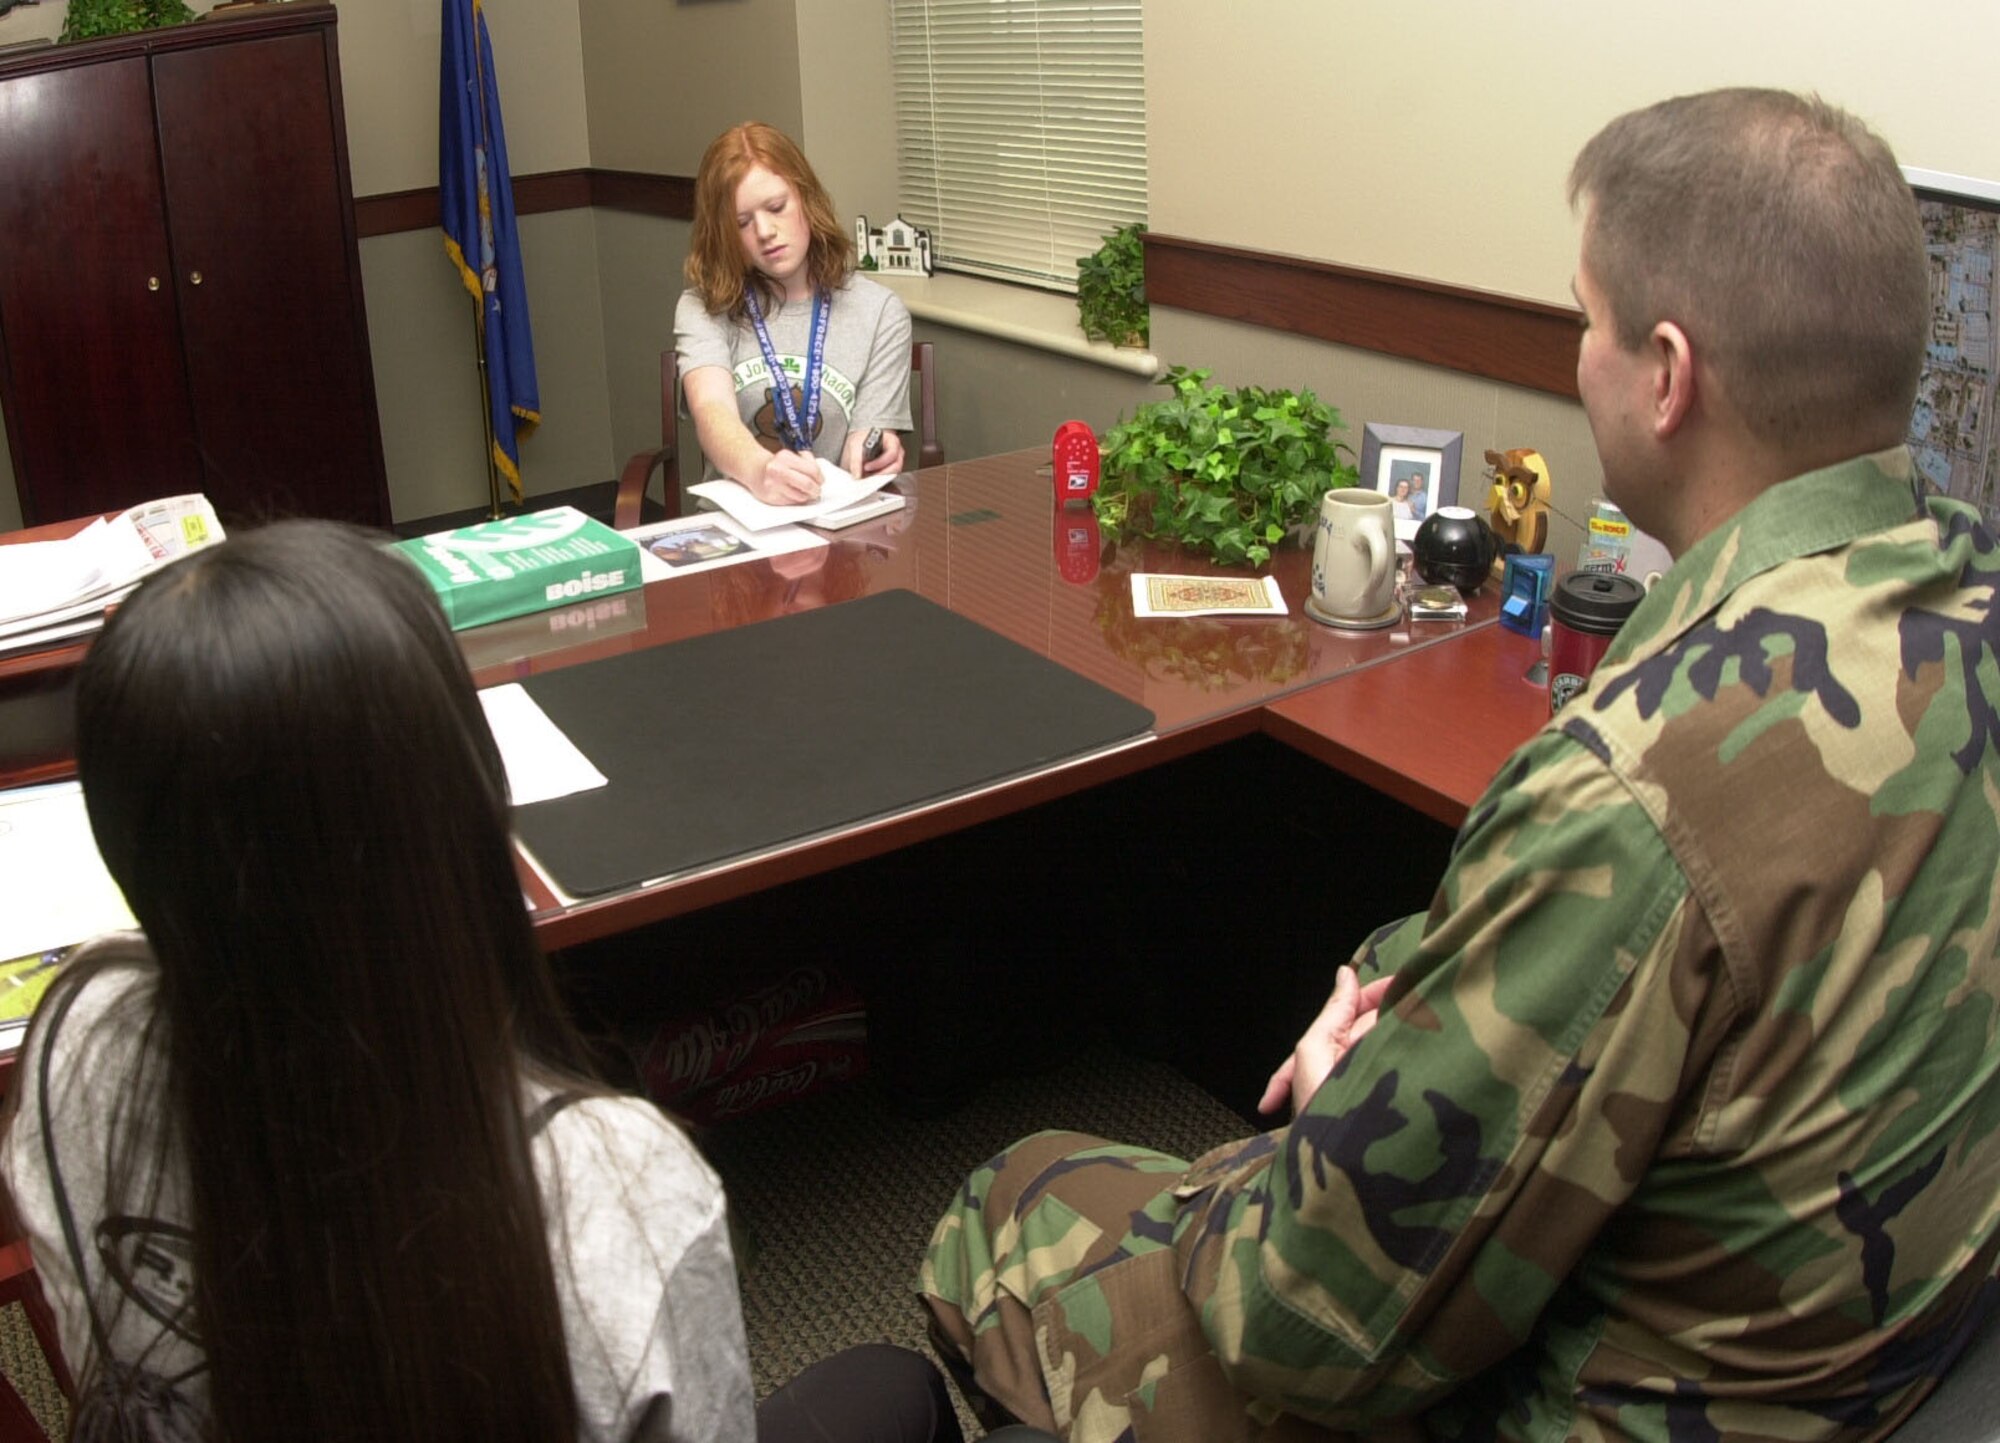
[[633, 481]]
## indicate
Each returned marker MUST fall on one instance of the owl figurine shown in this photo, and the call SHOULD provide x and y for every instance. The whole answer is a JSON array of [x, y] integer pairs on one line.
[[1518, 505]]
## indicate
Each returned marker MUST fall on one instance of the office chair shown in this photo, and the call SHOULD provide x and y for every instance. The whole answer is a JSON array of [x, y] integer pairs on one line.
[[637, 476]]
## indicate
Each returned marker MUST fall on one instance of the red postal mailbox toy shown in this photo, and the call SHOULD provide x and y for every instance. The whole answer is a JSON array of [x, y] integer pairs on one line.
[[1076, 461]]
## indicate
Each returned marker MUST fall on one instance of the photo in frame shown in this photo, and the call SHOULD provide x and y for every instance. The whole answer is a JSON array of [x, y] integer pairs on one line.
[[1414, 466]]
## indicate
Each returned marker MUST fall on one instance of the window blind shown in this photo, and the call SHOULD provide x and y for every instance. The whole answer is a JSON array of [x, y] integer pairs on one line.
[[1021, 130]]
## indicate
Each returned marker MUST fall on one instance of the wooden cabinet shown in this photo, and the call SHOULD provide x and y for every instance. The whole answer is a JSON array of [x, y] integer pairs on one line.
[[180, 290]]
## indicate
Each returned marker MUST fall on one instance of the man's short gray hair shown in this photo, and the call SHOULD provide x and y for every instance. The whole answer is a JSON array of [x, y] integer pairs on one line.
[[1778, 232]]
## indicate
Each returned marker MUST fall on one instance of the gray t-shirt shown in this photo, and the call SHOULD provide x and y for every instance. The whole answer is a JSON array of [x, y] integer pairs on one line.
[[637, 1232], [864, 378]]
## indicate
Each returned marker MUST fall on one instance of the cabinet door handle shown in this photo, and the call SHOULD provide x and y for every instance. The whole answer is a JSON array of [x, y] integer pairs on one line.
[[194, 278], [152, 283]]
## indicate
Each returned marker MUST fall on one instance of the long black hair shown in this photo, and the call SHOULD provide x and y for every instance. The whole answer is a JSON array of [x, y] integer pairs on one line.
[[289, 774]]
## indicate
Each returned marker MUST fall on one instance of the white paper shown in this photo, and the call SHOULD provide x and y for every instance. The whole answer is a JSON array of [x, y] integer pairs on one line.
[[58, 891], [542, 763], [868, 508], [41, 578], [42, 638], [709, 539], [836, 489]]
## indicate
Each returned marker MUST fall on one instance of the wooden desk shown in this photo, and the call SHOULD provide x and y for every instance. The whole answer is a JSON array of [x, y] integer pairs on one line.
[[35, 691], [1431, 730], [983, 538]]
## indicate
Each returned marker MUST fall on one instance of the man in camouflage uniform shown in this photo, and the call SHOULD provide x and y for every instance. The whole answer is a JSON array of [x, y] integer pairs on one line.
[[1676, 1117]]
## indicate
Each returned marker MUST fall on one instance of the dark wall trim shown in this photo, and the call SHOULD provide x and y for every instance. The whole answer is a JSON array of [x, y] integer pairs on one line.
[[1503, 338], [395, 211], [671, 196]]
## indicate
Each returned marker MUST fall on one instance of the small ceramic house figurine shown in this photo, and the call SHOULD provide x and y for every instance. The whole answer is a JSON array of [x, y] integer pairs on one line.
[[1518, 502], [897, 246]]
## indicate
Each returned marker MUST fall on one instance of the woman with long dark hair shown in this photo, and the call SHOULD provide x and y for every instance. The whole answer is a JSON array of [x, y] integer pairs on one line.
[[319, 1156]]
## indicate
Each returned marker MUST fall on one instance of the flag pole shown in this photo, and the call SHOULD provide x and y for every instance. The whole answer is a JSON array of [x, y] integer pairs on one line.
[[493, 510], [479, 302]]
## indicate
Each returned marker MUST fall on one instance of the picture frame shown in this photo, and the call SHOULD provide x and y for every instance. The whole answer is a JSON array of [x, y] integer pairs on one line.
[[1421, 462]]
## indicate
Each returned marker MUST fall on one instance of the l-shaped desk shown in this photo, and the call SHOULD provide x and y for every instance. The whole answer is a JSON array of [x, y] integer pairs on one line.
[[1425, 712]]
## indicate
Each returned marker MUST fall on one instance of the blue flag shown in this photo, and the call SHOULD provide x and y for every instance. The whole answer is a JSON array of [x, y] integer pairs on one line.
[[476, 197]]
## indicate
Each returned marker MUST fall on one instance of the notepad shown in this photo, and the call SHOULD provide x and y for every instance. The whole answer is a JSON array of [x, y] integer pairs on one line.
[[882, 503], [837, 490]]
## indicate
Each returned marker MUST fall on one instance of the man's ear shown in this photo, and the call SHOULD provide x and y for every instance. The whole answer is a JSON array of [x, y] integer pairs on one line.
[[1673, 378]]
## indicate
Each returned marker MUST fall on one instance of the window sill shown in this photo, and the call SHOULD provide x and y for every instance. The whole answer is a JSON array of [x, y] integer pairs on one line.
[[1044, 319]]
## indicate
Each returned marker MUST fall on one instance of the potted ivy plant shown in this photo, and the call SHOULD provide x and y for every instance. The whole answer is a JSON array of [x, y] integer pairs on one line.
[[1230, 472], [89, 19], [1111, 290]]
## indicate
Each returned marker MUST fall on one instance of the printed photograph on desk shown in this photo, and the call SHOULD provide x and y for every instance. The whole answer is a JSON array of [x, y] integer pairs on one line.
[[1415, 467], [695, 545], [709, 539], [1154, 594]]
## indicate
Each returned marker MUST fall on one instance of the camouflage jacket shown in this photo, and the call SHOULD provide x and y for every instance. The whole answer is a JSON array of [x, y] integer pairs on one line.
[[1677, 1124]]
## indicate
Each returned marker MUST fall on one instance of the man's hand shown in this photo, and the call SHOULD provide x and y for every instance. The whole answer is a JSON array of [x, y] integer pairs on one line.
[[789, 479], [1344, 1021]]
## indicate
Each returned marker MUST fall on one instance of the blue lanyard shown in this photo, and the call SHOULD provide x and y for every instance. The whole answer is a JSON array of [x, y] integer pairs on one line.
[[797, 435]]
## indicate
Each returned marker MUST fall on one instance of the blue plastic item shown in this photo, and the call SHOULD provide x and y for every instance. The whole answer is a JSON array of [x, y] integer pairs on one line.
[[1524, 592]]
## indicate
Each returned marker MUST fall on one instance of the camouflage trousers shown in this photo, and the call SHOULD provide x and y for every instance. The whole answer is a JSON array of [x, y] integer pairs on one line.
[[1056, 1282]]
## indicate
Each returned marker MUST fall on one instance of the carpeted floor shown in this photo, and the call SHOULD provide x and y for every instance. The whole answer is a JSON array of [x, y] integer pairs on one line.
[[22, 1363], [835, 1195]]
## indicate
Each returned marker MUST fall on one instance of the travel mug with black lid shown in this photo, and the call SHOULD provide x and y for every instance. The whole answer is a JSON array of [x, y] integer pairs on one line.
[[1585, 612]]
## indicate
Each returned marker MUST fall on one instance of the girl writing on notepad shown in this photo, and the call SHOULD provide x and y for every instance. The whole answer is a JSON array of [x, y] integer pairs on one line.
[[786, 355]]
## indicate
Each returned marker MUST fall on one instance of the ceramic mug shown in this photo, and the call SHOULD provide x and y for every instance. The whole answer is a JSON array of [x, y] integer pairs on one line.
[[1354, 556]]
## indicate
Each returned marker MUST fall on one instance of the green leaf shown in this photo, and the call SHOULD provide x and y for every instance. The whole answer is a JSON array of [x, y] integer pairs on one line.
[[1229, 472]]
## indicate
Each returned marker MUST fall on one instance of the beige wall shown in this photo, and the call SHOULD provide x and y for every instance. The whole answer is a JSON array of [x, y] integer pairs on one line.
[[641, 258], [1432, 137], [419, 316], [665, 78], [420, 328], [848, 107], [1429, 138], [389, 79]]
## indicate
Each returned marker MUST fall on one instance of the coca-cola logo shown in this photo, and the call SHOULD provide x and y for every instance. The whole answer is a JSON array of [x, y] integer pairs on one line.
[[779, 1082]]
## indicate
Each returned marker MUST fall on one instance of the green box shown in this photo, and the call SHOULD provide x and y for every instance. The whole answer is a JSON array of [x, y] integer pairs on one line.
[[520, 564]]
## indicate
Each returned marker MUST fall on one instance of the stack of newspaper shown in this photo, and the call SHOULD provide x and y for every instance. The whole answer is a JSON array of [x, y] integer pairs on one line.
[[54, 591]]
